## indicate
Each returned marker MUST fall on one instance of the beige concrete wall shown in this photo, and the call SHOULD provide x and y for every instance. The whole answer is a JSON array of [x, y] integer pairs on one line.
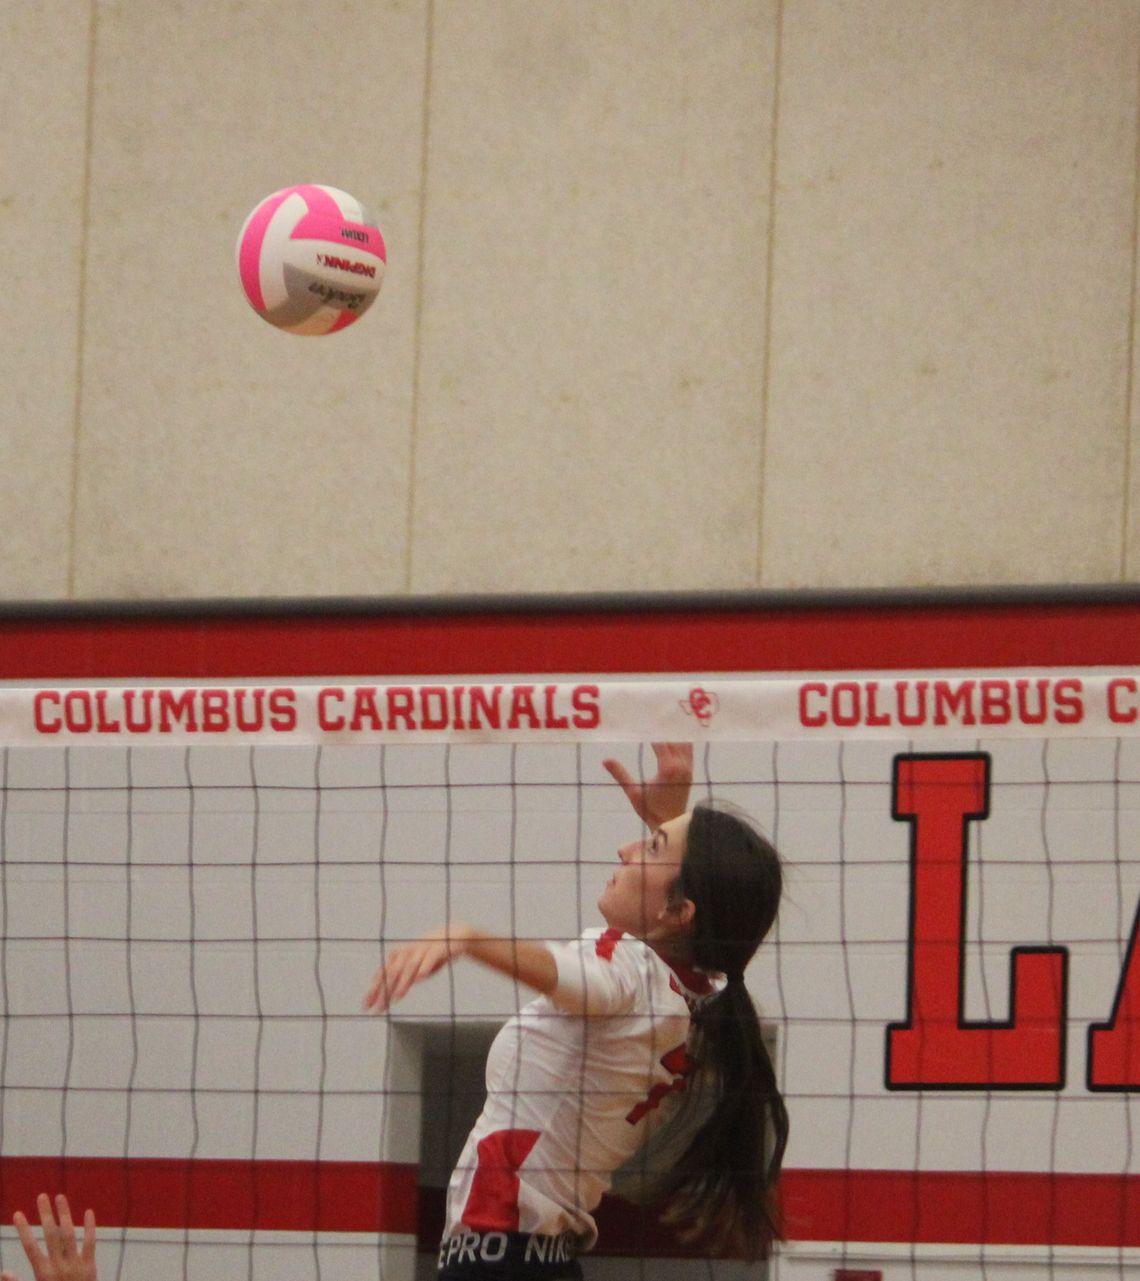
[[682, 294]]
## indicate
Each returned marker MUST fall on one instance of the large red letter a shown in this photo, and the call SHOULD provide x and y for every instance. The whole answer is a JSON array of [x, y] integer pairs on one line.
[[1114, 1047]]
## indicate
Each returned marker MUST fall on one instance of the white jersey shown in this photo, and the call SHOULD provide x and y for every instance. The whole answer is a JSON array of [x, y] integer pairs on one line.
[[574, 1086]]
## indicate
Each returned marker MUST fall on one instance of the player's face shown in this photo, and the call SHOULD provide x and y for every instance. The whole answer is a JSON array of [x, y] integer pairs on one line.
[[636, 898]]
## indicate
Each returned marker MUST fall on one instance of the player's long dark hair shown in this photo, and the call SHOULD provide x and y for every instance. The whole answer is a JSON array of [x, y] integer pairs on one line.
[[722, 1189]]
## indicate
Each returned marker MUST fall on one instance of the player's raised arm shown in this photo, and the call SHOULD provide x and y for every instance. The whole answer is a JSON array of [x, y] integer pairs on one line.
[[61, 1259], [666, 794], [527, 960]]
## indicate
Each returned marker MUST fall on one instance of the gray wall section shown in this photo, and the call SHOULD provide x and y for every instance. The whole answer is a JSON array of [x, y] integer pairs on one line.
[[756, 293]]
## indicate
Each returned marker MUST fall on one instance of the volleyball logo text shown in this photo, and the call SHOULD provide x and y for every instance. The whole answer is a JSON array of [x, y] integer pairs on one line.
[[345, 264]]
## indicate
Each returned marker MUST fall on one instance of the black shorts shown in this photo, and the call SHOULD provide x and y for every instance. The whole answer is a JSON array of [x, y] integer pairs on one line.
[[508, 1256]]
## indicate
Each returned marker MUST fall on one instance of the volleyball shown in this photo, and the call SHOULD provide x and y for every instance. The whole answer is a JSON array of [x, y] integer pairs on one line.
[[311, 259]]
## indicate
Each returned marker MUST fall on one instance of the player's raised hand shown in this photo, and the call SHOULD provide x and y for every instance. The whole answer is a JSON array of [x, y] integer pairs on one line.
[[411, 963], [666, 794], [61, 1259]]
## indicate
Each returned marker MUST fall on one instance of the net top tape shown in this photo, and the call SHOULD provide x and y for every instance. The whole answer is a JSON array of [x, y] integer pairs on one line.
[[930, 706]]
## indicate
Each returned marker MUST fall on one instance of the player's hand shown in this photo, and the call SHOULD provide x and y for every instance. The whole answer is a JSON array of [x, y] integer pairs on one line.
[[411, 963], [666, 794], [63, 1260]]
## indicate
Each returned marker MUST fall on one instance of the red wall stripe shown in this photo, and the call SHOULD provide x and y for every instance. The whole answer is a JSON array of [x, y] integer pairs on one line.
[[994, 1207], [781, 639], [292, 1196], [972, 1207]]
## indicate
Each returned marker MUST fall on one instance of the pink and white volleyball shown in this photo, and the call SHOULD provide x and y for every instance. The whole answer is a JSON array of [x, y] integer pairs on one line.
[[311, 259]]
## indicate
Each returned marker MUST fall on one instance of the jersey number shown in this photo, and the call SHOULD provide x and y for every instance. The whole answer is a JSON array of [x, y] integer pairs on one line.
[[676, 1061]]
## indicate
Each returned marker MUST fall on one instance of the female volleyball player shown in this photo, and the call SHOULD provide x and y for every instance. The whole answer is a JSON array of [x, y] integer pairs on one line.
[[61, 1259], [647, 1017]]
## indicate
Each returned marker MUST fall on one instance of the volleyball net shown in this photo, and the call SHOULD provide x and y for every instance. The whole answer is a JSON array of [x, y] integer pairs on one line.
[[198, 881]]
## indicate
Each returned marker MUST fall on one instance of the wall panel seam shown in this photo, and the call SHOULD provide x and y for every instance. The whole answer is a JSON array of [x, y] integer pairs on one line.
[[81, 301], [769, 289], [421, 273]]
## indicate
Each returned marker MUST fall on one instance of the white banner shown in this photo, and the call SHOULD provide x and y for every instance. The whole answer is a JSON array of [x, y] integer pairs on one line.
[[926, 705]]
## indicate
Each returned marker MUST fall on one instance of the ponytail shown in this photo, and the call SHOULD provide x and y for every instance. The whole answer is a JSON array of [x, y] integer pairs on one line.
[[722, 1188]]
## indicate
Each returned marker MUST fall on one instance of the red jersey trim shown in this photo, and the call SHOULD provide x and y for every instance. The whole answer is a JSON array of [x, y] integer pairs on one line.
[[493, 1202], [606, 944], [697, 981]]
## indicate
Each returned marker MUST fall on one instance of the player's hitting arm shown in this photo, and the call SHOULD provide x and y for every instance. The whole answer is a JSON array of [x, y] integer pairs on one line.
[[527, 960], [666, 794]]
